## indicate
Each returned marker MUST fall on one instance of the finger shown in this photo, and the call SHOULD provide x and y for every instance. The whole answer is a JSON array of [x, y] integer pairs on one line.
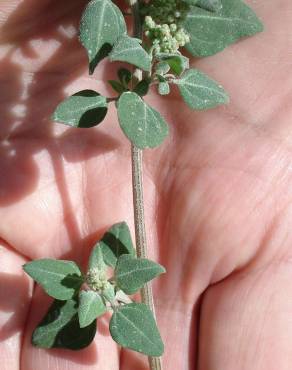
[[101, 354], [15, 295], [246, 321]]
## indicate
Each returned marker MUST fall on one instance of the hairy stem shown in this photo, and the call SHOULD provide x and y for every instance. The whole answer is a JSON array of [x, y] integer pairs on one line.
[[137, 185]]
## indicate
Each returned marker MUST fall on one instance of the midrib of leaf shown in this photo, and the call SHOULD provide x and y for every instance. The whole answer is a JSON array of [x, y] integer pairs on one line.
[[133, 271], [128, 49], [98, 34], [88, 106], [228, 19], [203, 87], [57, 274], [88, 305], [134, 326]]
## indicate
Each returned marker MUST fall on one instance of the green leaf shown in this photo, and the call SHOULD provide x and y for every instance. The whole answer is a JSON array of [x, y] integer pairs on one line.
[[90, 307], [143, 125], [101, 25], [60, 328], [177, 63], [133, 326], [129, 50], [117, 86], [109, 292], [211, 5], [199, 91], [60, 279], [125, 76], [212, 32], [96, 261], [142, 87], [84, 109], [162, 67], [163, 88], [132, 273], [115, 242]]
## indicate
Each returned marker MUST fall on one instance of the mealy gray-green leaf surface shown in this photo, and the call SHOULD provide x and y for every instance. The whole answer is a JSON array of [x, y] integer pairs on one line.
[[115, 242], [211, 32], [211, 5], [199, 91], [90, 307], [96, 259], [133, 326], [101, 25], [60, 279], [128, 49], [143, 125], [60, 328], [132, 273], [84, 109]]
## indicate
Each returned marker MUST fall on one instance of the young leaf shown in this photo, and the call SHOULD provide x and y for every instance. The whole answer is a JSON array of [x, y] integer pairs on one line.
[[162, 67], [109, 292], [115, 242], [177, 63], [142, 87], [129, 50], [90, 307], [125, 76], [133, 326], [60, 328], [117, 86], [132, 273], [84, 109], [199, 91], [163, 88], [60, 279], [211, 5], [101, 25], [96, 261], [212, 32], [143, 125]]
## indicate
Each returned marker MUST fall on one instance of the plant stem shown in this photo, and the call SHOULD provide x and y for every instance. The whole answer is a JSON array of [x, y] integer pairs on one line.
[[138, 202]]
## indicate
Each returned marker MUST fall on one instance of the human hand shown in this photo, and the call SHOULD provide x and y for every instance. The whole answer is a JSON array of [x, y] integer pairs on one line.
[[217, 196]]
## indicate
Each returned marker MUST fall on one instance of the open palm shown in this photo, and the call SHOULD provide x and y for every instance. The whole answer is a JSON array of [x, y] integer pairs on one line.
[[217, 195]]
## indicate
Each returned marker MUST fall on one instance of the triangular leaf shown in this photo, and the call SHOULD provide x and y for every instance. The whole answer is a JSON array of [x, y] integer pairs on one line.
[[133, 326], [60, 328], [96, 260], [60, 279], [115, 242], [132, 273], [143, 125], [90, 307], [129, 50], [199, 91], [101, 25], [84, 109], [212, 32]]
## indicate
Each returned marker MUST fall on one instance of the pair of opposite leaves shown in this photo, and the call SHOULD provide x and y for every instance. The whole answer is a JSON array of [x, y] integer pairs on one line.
[[103, 33], [71, 320]]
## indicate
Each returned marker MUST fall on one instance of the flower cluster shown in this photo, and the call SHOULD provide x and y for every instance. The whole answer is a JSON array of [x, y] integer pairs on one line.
[[163, 25], [96, 279]]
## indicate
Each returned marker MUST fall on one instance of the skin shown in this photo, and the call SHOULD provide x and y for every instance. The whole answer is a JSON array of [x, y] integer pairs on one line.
[[217, 196]]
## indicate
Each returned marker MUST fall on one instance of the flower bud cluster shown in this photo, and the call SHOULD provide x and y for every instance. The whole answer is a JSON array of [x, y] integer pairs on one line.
[[163, 25], [96, 279]]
